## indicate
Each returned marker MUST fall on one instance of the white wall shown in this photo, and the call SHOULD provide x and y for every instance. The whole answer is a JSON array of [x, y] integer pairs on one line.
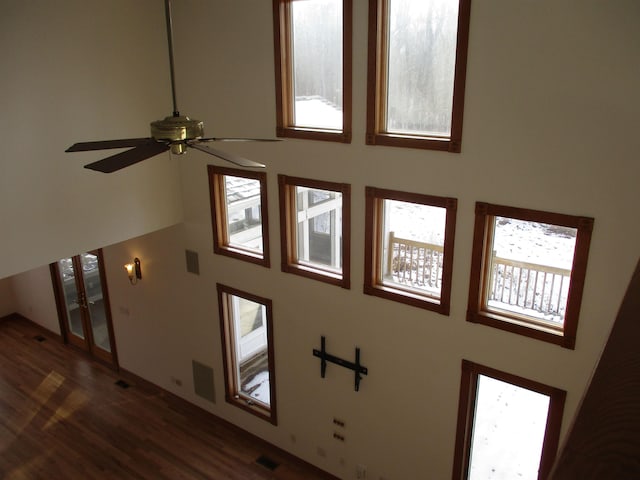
[[75, 71], [7, 298], [550, 123], [34, 298]]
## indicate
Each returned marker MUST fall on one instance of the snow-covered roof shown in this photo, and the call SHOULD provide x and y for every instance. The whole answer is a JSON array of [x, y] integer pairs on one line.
[[240, 188]]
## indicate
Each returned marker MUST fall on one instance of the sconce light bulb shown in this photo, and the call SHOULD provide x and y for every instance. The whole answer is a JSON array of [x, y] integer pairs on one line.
[[131, 273]]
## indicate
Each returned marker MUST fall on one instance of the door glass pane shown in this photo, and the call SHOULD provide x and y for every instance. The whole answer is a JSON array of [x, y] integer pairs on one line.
[[95, 301], [508, 431], [71, 297], [421, 57], [252, 353], [317, 63]]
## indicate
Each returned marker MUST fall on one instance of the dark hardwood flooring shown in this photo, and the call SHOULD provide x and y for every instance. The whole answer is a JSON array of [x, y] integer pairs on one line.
[[63, 417]]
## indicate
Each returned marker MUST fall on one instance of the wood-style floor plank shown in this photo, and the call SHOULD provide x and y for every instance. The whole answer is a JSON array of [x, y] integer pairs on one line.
[[62, 416]]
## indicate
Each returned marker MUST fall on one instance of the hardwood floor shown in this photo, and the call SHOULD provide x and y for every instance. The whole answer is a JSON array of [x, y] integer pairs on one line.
[[63, 417]]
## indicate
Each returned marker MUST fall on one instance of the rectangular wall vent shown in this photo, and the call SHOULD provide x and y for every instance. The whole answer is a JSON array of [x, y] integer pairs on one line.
[[203, 381], [267, 462], [122, 384], [193, 265]]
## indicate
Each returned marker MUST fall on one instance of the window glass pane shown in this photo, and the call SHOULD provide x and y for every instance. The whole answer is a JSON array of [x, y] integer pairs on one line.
[[530, 268], [420, 66], [508, 431], [319, 227], [317, 63], [252, 354], [413, 239], [244, 223]]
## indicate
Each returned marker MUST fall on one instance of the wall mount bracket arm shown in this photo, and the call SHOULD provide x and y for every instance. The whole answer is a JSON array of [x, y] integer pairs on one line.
[[326, 357]]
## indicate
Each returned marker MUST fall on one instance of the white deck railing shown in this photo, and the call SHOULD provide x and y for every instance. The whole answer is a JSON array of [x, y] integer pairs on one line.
[[415, 264], [523, 287], [529, 286]]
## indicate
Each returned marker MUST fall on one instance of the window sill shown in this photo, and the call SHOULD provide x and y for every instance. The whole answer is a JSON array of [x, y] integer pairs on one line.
[[445, 144], [403, 296], [523, 327], [317, 274], [306, 133], [241, 254], [253, 407]]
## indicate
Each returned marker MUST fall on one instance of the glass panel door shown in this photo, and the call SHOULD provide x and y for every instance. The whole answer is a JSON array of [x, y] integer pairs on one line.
[[72, 300], [83, 304], [95, 301]]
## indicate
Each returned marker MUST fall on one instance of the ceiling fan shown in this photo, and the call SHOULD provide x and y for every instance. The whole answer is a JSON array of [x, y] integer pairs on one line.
[[176, 133]]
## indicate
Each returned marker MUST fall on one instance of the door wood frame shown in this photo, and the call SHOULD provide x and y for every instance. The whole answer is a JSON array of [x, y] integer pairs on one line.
[[87, 345]]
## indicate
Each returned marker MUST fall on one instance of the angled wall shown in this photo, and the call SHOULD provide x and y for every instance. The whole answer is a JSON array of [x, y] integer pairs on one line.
[[79, 71]]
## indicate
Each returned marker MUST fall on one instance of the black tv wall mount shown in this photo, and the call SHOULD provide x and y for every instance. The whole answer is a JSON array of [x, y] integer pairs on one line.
[[326, 357]]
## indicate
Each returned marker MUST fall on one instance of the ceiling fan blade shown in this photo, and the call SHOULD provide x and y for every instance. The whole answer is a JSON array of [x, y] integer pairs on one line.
[[106, 144], [130, 157], [229, 157], [239, 140]]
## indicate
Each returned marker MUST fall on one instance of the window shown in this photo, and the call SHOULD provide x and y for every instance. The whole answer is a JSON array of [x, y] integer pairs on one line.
[[409, 247], [527, 272], [417, 69], [247, 340], [315, 232], [239, 211], [508, 426], [313, 68]]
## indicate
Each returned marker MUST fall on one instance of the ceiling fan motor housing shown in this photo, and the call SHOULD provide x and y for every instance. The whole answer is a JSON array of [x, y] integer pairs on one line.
[[177, 130]]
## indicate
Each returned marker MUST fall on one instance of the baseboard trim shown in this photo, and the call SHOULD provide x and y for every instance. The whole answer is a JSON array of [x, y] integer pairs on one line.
[[189, 408], [45, 331]]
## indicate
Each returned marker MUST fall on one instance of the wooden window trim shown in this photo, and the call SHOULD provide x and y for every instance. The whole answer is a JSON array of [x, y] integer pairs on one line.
[[284, 78], [372, 265], [467, 406], [376, 134], [219, 217], [566, 337], [288, 234], [232, 395]]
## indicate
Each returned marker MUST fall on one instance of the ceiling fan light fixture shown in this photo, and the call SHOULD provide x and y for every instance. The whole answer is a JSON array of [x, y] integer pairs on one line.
[[177, 129]]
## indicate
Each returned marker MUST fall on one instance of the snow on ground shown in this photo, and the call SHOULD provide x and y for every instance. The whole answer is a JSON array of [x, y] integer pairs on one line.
[[508, 432], [534, 242], [258, 387], [514, 239], [422, 223], [316, 112]]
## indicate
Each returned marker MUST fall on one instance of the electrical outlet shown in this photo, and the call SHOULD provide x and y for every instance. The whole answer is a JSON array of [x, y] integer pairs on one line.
[[361, 471], [338, 422]]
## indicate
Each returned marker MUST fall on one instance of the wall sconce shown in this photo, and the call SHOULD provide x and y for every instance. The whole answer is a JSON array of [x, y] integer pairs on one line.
[[134, 271]]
